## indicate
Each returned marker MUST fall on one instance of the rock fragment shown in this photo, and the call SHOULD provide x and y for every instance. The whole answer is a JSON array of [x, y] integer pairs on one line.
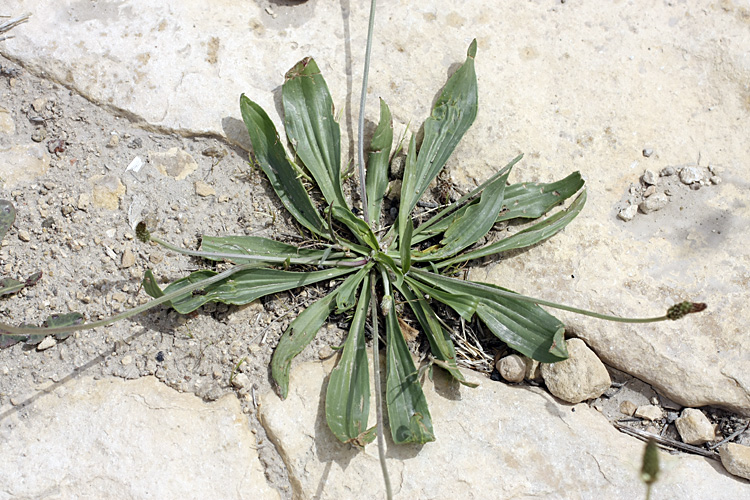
[[694, 427], [690, 175], [628, 408], [649, 412], [204, 189], [128, 259], [512, 368], [654, 203], [107, 191], [650, 178], [174, 163], [47, 343], [628, 213], [580, 377]]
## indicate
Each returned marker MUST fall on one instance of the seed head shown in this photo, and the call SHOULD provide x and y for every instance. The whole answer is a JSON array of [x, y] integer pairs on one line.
[[677, 311]]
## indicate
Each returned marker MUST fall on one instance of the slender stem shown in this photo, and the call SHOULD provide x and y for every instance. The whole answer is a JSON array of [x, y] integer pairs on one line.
[[425, 276], [14, 330], [361, 125], [378, 395]]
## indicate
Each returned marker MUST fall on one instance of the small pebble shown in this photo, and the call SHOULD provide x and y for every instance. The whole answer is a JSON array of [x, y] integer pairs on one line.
[[39, 104], [39, 135], [648, 152], [24, 235], [84, 200], [654, 203], [667, 171], [627, 407], [650, 178], [325, 352], [126, 360], [114, 140], [715, 179], [128, 259], [695, 186], [628, 213], [649, 412], [649, 191], [512, 368], [241, 381], [46, 344], [204, 189], [690, 175], [694, 427]]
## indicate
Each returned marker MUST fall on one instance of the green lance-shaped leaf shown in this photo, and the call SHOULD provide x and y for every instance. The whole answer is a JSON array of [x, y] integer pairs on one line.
[[346, 294], [58, 320], [7, 217], [357, 226], [453, 114], [408, 415], [377, 163], [255, 245], [405, 245], [474, 223], [409, 177], [312, 128], [529, 236], [53, 321], [522, 325], [240, 288], [9, 285], [348, 392], [528, 200], [438, 336], [300, 333], [270, 154], [465, 304]]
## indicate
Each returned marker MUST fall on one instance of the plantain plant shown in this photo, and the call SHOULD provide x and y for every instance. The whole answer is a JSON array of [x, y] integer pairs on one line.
[[403, 263]]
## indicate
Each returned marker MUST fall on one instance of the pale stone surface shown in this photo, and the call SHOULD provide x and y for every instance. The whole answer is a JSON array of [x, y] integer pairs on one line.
[[173, 163], [736, 459], [22, 164], [574, 86], [580, 377], [137, 439], [694, 427], [512, 368], [107, 191], [495, 441]]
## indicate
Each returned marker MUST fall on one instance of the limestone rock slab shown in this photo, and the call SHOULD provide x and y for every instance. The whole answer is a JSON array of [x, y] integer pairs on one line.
[[495, 441], [128, 439]]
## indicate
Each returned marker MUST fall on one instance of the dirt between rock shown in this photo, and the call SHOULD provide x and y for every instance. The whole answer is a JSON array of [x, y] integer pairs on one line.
[[93, 264]]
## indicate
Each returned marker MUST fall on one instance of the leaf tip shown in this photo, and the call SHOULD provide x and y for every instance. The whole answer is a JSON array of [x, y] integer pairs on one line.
[[472, 52]]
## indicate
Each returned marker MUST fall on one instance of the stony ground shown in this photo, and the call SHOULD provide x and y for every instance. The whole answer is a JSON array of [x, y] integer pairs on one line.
[[82, 169]]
